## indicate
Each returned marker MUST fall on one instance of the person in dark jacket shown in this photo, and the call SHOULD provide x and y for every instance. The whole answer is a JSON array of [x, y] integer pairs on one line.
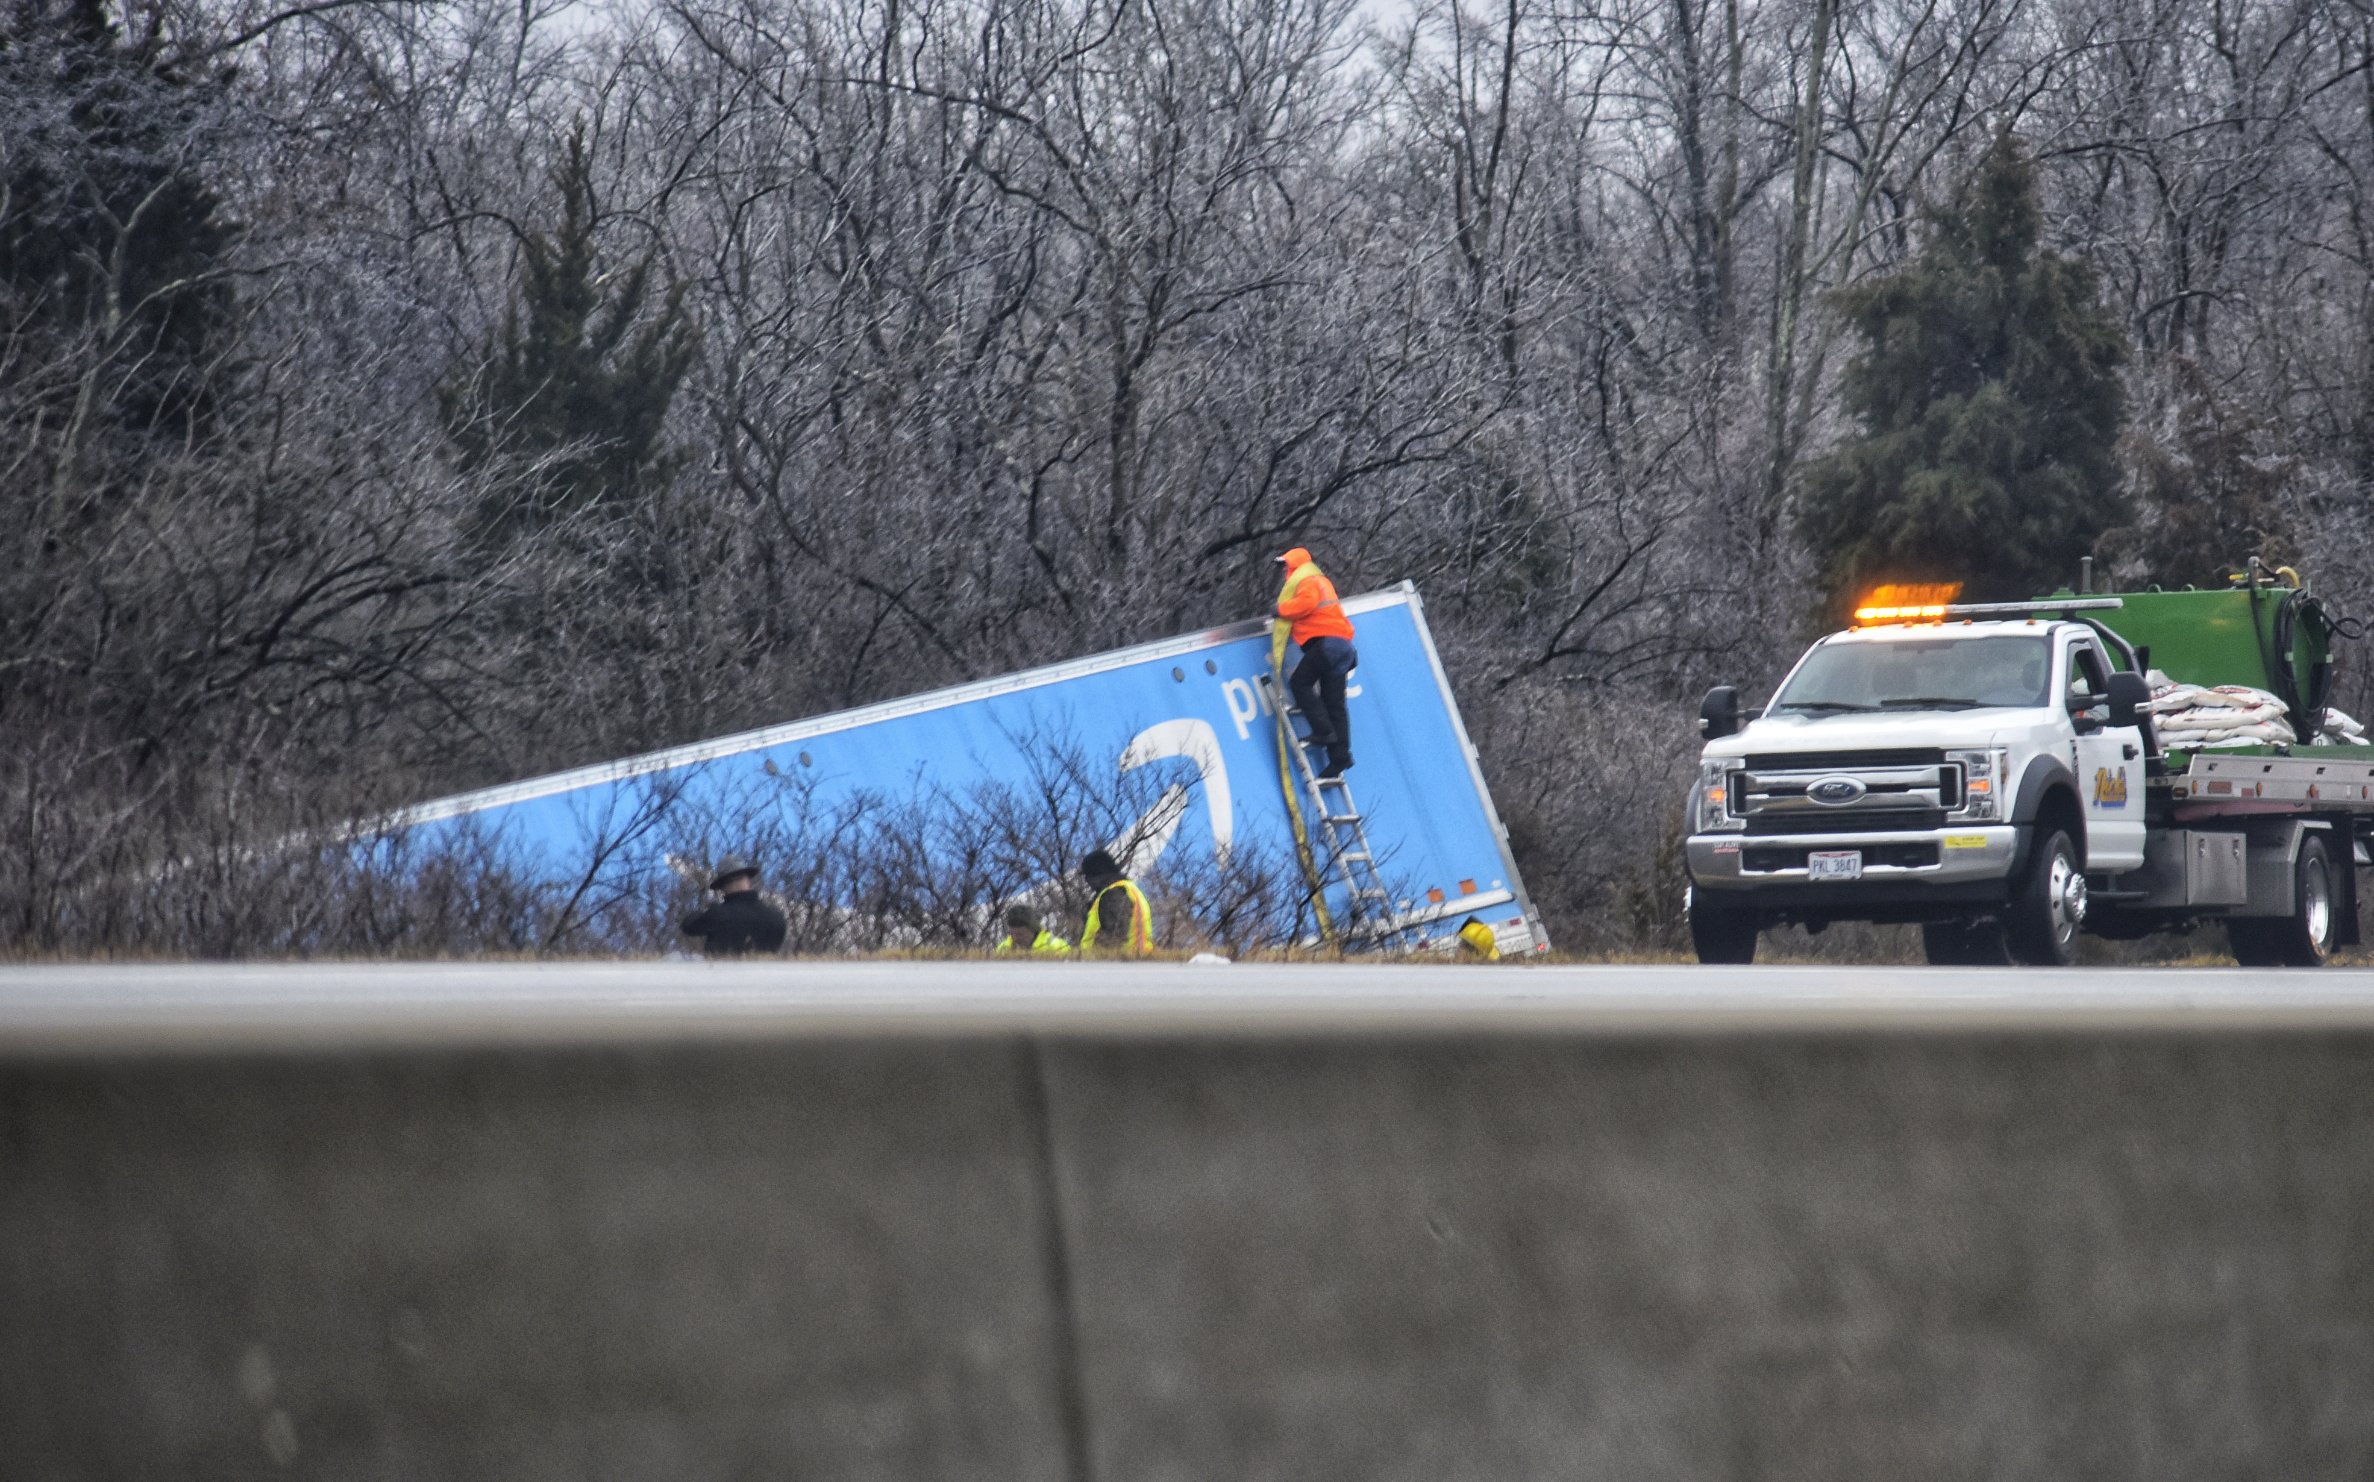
[[740, 923]]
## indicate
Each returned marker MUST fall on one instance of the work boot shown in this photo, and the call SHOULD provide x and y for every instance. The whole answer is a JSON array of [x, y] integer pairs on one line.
[[1337, 765]]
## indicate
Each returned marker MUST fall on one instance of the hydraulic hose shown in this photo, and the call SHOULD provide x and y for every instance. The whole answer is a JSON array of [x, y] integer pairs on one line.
[[2309, 716], [2278, 651], [2275, 653], [2287, 637], [2327, 625]]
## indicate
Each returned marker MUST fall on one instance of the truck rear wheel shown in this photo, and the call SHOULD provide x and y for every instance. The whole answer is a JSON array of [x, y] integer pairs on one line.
[[2305, 937], [2049, 905], [1721, 933], [1965, 944]]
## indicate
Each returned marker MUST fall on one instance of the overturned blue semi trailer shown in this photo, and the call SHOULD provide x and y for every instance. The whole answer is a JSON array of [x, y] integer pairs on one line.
[[1187, 722]]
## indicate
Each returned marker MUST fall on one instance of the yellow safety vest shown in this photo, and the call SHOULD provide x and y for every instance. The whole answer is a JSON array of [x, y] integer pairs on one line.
[[1047, 942], [1295, 578], [1283, 627], [1280, 627], [1141, 926]]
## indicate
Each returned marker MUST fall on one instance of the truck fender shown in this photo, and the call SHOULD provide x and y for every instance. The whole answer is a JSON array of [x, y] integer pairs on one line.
[[2035, 781]]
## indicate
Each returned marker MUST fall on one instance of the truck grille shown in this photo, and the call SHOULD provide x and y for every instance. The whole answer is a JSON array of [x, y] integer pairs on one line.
[[1893, 791], [1848, 821]]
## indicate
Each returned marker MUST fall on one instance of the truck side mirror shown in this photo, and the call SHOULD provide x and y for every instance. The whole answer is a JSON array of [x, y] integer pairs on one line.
[[1718, 713], [2130, 697]]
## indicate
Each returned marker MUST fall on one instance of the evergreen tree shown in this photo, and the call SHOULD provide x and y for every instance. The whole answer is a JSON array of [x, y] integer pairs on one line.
[[111, 245], [1990, 404], [574, 390], [2209, 481]]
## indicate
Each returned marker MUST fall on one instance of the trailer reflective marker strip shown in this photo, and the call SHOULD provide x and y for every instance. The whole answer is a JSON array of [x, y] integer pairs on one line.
[[1188, 708]]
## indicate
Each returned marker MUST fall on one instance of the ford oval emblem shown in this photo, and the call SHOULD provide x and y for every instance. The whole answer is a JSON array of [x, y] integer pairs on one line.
[[1836, 792]]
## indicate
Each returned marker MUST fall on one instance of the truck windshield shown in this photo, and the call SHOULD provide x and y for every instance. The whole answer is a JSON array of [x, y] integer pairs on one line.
[[1918, 674]]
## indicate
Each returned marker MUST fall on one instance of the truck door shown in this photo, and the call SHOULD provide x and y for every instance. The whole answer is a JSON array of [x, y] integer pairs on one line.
[[2109, 767]]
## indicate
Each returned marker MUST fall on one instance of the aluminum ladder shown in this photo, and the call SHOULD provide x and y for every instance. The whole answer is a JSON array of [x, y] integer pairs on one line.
[[1349, 860]]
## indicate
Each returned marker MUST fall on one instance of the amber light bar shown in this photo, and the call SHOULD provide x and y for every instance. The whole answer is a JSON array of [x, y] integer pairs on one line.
[[1938, 609], [1907, 602]]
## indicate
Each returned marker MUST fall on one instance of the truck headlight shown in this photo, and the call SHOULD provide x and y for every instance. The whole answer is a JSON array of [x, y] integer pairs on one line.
[[1983, 781], [1713, 810]]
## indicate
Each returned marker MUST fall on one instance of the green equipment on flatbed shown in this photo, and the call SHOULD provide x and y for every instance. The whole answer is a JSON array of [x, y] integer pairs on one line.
[[2269, 632], [2276, 638]]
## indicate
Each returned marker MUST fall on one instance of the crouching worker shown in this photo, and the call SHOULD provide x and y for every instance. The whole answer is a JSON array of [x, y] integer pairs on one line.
[[1120, 923], [740, 923], [1025, 934]]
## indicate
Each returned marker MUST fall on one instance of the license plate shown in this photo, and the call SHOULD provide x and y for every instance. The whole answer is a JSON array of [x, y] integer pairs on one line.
[[1834, 864]]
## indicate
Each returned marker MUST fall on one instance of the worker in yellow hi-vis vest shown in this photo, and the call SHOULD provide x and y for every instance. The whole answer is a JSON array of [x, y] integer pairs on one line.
[[1120, 923], [1025, 934]]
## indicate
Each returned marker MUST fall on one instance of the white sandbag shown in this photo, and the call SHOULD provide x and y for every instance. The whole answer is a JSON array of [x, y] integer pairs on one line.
[[2226, 715], [2220, 718], [2245, 696], [2260, 733], [2167, 695]]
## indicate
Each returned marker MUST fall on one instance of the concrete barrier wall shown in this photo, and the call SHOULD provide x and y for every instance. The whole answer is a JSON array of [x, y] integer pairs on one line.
[[2108, 1257]]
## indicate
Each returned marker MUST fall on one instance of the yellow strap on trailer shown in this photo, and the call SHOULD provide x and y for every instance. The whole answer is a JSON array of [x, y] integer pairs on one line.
[[1278, 632]]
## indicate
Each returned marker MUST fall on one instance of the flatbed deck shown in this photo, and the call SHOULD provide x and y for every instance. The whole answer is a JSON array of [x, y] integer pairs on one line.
[[2323, 779]]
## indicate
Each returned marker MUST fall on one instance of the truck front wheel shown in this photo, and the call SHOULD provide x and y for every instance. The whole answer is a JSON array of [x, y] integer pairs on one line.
[[1722, 934], [2049, 905], [2305, 937]]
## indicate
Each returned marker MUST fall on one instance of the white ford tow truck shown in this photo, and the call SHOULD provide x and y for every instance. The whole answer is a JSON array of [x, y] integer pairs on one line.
[[1993, 772]]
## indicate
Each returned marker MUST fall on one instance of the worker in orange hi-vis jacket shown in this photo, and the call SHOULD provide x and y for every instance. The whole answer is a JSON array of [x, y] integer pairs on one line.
[[1308, 602]]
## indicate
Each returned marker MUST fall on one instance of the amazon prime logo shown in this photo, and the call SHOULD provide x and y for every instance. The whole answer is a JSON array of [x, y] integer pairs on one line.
[[1835, 792]]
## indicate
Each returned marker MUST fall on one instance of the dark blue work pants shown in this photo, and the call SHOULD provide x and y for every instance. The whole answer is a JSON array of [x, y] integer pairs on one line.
[[1318, 683]]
